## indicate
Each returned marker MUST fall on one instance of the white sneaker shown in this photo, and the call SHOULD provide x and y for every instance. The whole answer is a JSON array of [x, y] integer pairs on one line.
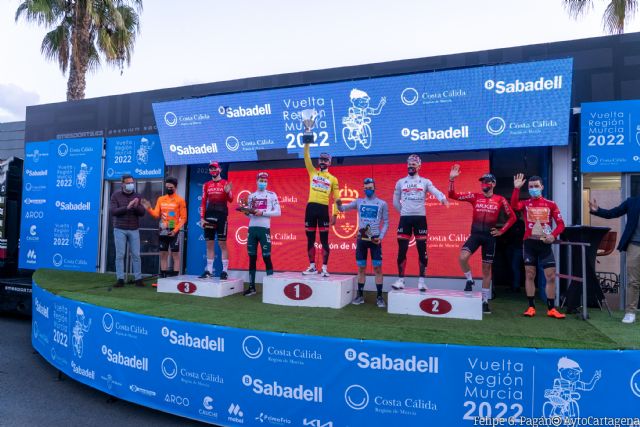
[[398, 284], [324, 273], [422, 284], [310, 270], [629, 318]]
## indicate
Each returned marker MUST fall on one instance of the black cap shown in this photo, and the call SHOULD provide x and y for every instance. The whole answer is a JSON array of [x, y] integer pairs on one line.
[[488, 177]]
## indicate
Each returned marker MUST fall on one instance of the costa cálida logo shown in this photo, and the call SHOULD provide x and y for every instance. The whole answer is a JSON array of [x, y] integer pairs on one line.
[[347, 225], [298, 291], [435, 306], [187, 287]]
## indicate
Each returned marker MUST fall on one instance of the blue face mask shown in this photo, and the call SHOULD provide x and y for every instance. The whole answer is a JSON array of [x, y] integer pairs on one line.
[[535, 192], [129, 187], [369, 192], [262, 186]]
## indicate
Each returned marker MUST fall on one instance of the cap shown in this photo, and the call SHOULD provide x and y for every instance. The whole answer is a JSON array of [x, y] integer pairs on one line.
[[326, 156], [263, 175], [214, 164], [487, 177]]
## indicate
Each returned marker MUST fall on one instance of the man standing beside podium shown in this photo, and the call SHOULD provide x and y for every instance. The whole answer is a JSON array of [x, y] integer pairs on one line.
[[538, 237], [629, 243]]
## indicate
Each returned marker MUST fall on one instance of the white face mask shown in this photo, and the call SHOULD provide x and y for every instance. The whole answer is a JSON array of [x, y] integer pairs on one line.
[[129, 187]]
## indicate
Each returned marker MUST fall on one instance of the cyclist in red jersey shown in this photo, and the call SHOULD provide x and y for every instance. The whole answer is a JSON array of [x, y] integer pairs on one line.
[[213, 216], [538, 236], [486, 210]]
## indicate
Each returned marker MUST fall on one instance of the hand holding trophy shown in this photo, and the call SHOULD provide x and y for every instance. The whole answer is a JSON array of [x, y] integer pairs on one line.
[[365, 233], [243, 206], [308, 118]]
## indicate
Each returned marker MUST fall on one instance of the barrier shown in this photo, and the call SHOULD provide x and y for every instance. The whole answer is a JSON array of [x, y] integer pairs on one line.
[[299, 290], [192, 285], [231, 377]]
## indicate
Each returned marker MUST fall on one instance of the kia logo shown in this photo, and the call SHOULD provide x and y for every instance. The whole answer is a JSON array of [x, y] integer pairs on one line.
[[298, 291], [435, 306], [187, 287]]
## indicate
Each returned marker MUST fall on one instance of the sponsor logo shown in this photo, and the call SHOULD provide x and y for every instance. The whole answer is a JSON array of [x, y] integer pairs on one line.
[[186, 340], [17, 289], [36, 155], [436, 134], [495, 125], [33, 234], [57, 260], [36, 172], [187, 287], [110, 381], [170, 119], [256, 110], [134, 388], [208, 408], [29, 201], [32, 230], [252, 347], [275, 389], [107, 322], [78, 370], [385, 363], [409, 96], [316, 423], [436, 306], [186, 150], [110, 172], [31, 256], [635, 383], [63, 149], [232, 143], [34, 215], [177, 400], [356, 397], [235, 413], [147, 172], [541, 84], [270, 419], [593, 160], [69, 206], [41, 308], [133, 362], [206, 403], [169, 368], [298, 291], [242, 235]]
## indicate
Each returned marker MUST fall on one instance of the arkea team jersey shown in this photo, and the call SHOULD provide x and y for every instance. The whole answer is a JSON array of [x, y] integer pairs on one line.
[[165, 206], [267, 202], [411, 193], [486, 210], [214, 197], [372, 212], [321, 184], [535, 210]]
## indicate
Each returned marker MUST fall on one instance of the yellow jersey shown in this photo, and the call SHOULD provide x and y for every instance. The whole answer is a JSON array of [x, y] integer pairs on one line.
[[321, 184]]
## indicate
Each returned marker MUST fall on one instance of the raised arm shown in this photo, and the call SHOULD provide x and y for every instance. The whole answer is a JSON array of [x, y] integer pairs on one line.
[[308, 139], [616, 212], [516, 204]]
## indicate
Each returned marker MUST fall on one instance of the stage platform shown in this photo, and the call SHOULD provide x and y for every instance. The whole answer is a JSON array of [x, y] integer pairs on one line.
[[237, 361]]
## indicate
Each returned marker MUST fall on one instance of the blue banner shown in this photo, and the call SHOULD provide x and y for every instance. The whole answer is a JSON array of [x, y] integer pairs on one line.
[[610, 136], [61, 225], [501, 106], [139, 156], [230, 377]]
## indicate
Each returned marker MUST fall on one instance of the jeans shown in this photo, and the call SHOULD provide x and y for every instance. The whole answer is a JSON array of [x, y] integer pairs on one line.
[[120, 237]]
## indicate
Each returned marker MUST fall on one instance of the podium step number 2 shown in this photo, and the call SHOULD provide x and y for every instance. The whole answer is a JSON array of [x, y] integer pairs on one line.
[[436, 303]]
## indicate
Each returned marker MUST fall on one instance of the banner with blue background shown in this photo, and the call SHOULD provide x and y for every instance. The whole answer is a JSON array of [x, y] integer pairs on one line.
[[231, 377], [139, 156], [500, 106], [610, 136], [61, 204]]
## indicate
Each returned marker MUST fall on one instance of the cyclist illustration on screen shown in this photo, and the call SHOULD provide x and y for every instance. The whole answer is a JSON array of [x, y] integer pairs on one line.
[[356, 125], [562, 399], [142, 153]]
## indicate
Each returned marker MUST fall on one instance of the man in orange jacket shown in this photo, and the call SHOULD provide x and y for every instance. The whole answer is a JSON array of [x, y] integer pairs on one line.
[[172, 211]]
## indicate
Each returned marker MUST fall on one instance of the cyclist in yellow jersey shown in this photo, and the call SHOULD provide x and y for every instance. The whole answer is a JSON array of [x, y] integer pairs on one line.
[[321, 185]]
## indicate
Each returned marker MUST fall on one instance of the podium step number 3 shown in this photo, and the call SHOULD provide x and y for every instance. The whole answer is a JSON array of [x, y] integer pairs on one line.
[[192, 285], [296, 289], [436, 303]]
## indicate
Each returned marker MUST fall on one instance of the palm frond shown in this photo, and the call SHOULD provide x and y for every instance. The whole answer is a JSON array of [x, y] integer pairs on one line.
[[55, 46], [577, 8], [42, 12], [617, 13]]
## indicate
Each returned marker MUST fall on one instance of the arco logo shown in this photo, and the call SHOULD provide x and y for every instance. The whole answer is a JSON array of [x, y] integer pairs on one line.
[[298, 291], [435, 306], [187, 287]]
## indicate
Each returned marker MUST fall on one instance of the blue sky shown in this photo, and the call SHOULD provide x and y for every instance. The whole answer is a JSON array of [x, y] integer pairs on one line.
[[202, 41]]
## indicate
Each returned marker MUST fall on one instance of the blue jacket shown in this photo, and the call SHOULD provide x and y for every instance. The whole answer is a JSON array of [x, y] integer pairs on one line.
[[630, 207]]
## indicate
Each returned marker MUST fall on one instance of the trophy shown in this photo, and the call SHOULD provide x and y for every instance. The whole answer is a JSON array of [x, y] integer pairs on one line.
[[365, 233], [537, 232], [243, 206], [308, 118]]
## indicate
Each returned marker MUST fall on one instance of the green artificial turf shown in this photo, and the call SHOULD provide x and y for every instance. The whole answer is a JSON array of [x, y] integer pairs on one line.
[[505, 327]]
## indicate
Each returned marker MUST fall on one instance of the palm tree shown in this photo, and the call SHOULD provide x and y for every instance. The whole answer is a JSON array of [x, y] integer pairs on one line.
[[616, 15], [82, 32]]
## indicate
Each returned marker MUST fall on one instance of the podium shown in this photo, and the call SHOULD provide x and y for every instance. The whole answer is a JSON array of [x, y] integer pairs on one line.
[[192, 285], [297, 289], [451, 304]]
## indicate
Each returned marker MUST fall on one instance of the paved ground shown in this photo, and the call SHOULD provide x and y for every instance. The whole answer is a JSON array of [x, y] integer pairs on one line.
[[32, 395]]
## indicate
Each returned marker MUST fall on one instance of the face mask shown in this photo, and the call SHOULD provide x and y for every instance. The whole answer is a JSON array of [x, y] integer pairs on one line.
[[486, 188], [324, 166], [128, 188], [214, 173], [262, 186], [412, 171], [170, 191], [535, 192], [369, 192]]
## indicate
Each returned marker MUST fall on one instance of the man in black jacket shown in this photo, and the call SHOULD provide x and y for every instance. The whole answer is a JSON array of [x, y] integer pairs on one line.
[[629, 243], [126, 210]]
